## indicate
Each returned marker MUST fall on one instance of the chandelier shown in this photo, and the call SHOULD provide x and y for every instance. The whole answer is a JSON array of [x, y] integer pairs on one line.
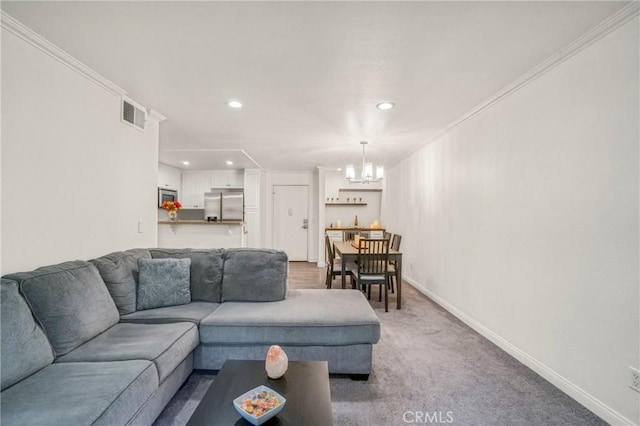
[[366, 173]]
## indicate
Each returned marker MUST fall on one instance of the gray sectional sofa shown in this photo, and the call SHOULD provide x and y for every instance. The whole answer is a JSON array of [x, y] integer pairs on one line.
[[111, 340]]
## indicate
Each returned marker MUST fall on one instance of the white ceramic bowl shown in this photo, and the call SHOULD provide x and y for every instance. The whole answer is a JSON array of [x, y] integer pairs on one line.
[[237, 403]]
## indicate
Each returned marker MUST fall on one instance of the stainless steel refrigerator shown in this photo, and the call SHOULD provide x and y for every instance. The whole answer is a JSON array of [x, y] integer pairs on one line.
[[224, 204]]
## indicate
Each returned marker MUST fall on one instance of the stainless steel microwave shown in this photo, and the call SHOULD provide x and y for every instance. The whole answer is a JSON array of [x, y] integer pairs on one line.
[[166, 195]]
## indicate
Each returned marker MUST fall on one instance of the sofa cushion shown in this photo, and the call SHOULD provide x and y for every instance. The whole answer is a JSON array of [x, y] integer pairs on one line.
[[163, 282], [206, 270], [80, 394], [70, 301], [254, 275], [167, 345], [192, 312], [119, 271], [24, 349], [304, 318]]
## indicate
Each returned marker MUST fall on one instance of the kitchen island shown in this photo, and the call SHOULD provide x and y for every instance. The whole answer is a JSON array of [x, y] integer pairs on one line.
[[201, 234]]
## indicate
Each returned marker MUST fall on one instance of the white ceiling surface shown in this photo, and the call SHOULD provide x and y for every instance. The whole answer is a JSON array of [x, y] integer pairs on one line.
[[209, 159], [310, 73]]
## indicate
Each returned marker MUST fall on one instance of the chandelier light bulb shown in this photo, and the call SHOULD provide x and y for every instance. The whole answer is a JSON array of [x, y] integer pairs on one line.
[[366, 173], [350, 172]]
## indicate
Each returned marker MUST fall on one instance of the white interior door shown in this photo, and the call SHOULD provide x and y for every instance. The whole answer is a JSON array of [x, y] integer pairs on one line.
[[290, 213]]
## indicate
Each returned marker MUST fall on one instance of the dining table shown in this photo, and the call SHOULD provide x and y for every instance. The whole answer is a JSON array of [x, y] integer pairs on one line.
[[348, 252]]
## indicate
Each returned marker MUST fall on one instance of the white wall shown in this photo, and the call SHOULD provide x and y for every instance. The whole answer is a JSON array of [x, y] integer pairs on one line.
[[523, 221], [334, 181], [293, 178], [75, 180]]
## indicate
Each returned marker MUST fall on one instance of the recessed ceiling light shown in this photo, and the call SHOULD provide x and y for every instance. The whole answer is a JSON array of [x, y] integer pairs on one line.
[[186, 163], [385, 105], [234, 103], [339, 169], [229, 163]]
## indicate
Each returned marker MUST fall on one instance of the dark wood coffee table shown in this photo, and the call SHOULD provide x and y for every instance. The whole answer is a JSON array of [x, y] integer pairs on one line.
[[305, 387]]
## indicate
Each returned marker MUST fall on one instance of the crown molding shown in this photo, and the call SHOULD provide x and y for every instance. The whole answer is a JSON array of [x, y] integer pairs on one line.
[[17, 28], [156, 115], [252, 159], [607, 26]]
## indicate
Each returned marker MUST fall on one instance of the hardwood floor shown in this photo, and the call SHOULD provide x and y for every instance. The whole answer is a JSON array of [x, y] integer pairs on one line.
[[307, 275]]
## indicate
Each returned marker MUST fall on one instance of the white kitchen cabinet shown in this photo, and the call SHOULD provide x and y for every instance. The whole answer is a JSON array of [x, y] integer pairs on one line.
[[252, 219], [227, 179], [335, 235], [376, 234], [252, 212], [252, 189], [168, 177], [194, 185]]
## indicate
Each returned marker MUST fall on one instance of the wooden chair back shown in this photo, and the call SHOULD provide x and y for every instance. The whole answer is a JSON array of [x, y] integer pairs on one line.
[[395, 243], [329, 247], [373, 256]]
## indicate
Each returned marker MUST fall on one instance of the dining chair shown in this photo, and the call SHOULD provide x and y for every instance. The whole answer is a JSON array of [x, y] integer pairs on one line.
[[350, 235], [334, 266], [392, 271], [395, 242], [387, 235], [372, 267]]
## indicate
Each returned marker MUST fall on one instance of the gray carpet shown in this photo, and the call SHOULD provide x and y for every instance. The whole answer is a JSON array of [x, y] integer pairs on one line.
[[428, 368]]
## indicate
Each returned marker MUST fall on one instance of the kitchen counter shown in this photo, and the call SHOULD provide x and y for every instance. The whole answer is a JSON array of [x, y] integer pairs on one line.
[[200, 222], [201, 234]]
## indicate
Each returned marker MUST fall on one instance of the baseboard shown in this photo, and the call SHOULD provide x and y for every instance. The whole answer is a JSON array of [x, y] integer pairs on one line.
[[586, 399]]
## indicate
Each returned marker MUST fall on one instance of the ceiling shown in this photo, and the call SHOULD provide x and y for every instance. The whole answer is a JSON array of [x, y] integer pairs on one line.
[[309, 73], [207, 159]]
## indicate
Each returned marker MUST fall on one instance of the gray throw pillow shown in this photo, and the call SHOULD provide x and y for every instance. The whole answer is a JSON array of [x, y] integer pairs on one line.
[[206, 270], [163, 282]]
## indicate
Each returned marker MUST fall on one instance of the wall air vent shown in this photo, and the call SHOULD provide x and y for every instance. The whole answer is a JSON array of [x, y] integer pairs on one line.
[[133, 114]]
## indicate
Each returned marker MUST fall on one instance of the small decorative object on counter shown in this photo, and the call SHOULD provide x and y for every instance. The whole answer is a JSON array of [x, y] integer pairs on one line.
[[172, 208], [277, 362], [355, 222]]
